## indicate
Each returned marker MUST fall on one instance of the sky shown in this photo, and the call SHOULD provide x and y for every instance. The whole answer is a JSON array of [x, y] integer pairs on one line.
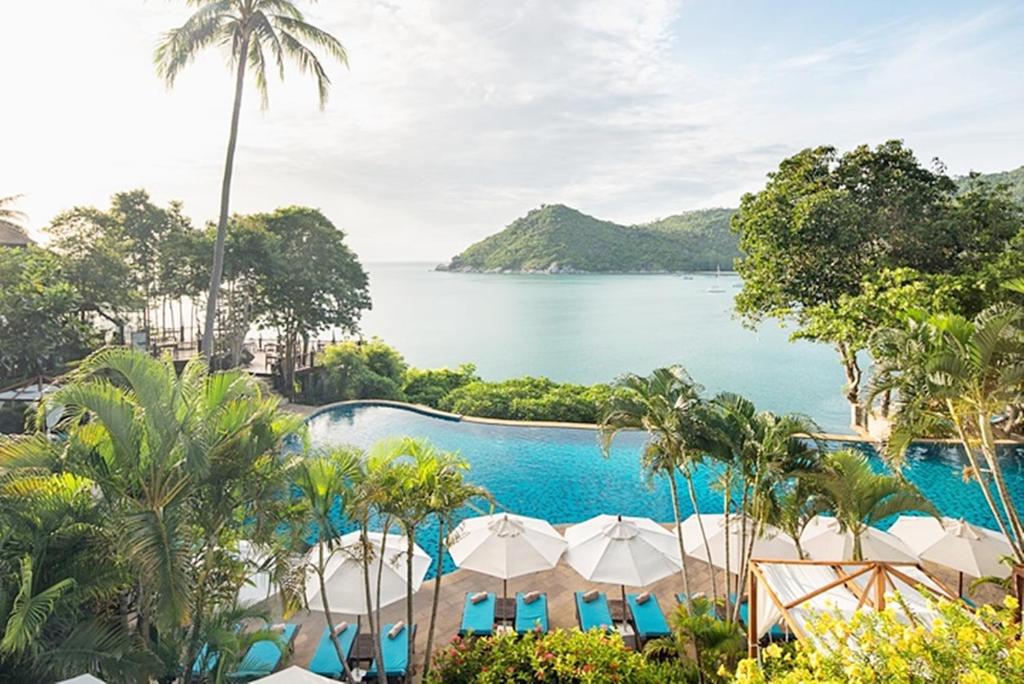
[[457, 116]]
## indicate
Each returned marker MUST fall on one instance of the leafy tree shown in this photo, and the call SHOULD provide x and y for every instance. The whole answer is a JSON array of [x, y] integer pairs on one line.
[[39, 326], [957, 376], [860, 498], [820, 237], [311, 282], [256, 31], [717, 645]]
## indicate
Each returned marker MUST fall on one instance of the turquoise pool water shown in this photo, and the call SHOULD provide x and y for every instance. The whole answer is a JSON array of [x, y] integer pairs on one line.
[[560, 474]]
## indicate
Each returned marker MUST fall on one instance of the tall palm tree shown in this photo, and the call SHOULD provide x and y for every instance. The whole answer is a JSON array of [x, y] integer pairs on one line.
[[859, 497], [665, 404], [956, 376], [255, 31], [327, 484], [450, 494]]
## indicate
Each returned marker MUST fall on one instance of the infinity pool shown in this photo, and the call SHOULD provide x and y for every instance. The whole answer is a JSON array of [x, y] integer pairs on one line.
[[561, 475]]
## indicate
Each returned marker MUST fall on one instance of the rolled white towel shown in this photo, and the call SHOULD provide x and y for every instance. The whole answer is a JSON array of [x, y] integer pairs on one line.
[[396, 629]]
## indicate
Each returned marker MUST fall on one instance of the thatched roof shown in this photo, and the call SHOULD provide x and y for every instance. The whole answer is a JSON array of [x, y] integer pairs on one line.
[[13, 236]]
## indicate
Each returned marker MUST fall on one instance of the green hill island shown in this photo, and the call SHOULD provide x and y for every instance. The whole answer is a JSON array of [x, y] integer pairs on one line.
[[559, 239]]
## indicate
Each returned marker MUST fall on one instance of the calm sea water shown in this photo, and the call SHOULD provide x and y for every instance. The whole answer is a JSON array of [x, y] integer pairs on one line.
[[592, 328], [561, 475]]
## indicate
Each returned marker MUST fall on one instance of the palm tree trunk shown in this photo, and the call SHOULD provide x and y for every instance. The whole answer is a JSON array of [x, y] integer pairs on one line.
[[435, 600], [972, 459], [673, 488], [726, 503], [372, 619], [225, 198], [321, 566], [703, 533], [410, 533], [988, 450], [380, 576]]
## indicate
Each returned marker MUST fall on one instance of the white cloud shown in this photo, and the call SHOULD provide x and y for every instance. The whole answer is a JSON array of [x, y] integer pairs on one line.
[[458, 116]]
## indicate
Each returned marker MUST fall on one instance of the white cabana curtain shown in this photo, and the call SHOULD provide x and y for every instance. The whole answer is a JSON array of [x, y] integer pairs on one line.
[[790, 582]]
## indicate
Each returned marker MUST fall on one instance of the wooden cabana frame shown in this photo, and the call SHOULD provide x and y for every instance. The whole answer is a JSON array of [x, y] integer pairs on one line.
[[880, 575]]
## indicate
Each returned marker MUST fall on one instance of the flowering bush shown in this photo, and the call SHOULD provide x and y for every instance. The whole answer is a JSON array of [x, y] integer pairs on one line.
[[979, 648], [565, 657]]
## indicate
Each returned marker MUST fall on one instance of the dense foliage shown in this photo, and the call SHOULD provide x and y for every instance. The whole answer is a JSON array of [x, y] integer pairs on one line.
[[557, 238], [867, 647], [842, 244], [563, 656], [373, 370], [40, 328]]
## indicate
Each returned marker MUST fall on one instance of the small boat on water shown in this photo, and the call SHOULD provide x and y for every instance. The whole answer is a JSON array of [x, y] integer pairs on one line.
[[715, 287]]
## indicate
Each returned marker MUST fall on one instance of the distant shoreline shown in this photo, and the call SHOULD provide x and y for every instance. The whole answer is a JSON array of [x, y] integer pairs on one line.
[[443, 268]]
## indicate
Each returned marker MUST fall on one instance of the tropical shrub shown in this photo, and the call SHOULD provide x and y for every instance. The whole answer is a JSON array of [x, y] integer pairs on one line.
[[359, 370], [431, 386], [12, 418], [981, 648], [529, 398], [563, 656]]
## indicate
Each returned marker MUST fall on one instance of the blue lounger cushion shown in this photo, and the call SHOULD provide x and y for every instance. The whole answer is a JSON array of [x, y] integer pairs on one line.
[[648, 619], [478, 618], [264, 656], [206, 662], [394, 651], [531, 616], [595, 614], [325, 661]]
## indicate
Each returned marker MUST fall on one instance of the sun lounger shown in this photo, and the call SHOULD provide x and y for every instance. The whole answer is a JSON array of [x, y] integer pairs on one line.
[[206, 662], [478, 618], [648, 620], [325, 661], [531, 616], [395, 652], [594, 614], [264, 657]]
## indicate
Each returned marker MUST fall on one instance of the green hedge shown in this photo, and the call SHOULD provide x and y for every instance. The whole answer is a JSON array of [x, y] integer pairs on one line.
[[375, 370]]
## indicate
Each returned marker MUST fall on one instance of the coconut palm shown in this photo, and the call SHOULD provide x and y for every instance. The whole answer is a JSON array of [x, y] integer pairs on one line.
[[449, 495], [665, 404], [957, 376], [184, 465], [256, 32], [859, 497], [326, 484]]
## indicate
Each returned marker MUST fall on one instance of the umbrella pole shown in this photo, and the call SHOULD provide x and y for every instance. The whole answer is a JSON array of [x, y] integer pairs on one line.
[[622, 587], [960, 586]]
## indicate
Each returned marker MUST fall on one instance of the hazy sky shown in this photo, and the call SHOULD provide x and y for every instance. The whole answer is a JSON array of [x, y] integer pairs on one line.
[[457, 116]]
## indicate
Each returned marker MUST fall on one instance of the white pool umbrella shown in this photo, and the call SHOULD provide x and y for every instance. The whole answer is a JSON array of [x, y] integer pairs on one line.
[[622, 550], [822, 539], [956, 544], [770, 544], [293, 675], [505, 545], [344, 577], [82, 679]]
